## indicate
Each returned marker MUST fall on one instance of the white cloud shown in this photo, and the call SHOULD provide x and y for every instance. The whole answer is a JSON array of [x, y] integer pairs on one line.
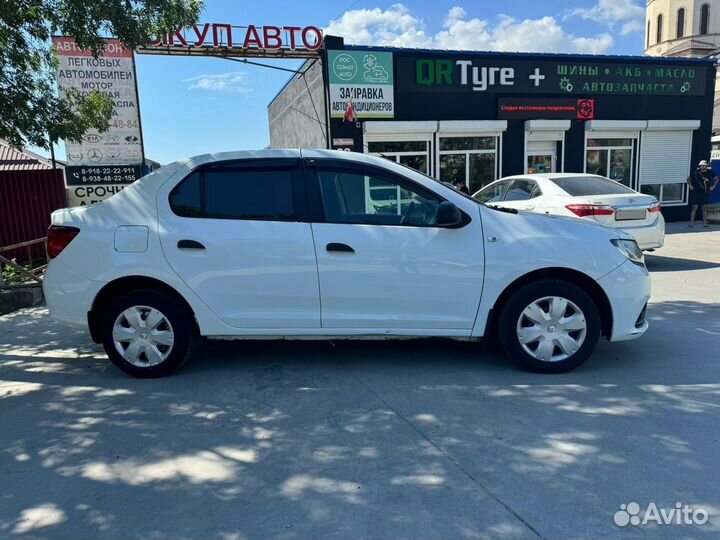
[[394, 27], [627, 13], [233, 81], [397, 27]]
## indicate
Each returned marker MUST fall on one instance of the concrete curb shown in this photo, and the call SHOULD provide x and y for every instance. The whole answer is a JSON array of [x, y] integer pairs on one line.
[[17, 297]]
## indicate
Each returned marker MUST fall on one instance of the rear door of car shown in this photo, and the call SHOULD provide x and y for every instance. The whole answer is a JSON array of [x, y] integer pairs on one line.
[[522, 194], [383, 266], [236, 233]]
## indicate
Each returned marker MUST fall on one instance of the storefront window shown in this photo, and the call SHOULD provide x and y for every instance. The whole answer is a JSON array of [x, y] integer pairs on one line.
[[611, 158], [414, 154], [652, 189], [482, 171], [419, 163], [540, 163], [467, 143], [397, 147], [665, 193], [453, 167], [672, 192], [472, 160]]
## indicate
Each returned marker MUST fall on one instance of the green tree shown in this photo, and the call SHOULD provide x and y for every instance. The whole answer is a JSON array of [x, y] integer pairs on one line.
[[31, 112]]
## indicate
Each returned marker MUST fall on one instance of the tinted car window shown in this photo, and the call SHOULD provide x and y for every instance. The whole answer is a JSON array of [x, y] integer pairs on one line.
[[350, 197], [492, 193], [522, 190], [185, 199], [249, 194], [583, 186], [228, 192]]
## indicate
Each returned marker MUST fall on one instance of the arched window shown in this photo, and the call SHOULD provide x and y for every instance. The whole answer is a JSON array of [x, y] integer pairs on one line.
[[704, 19], [659, 29], [681, 23], [647, 37]]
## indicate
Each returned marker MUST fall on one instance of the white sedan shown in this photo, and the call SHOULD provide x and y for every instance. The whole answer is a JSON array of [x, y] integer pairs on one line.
[[588, 196], [320, 244]]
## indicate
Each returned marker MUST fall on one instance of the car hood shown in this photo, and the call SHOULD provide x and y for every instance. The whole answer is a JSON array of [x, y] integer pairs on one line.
[[546, 241]]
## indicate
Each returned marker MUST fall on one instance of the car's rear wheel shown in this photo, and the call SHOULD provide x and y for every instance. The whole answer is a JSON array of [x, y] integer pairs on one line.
[[147, 333], [549, 326]]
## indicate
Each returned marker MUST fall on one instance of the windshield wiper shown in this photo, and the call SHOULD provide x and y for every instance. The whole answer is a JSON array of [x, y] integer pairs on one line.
[[502, 209]]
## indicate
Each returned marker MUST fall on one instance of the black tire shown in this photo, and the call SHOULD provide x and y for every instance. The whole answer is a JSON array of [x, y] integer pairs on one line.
[[521, 299], [185, 336]]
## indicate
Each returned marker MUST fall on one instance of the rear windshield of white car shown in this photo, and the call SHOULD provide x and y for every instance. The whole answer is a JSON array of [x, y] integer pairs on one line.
[[582, 186]]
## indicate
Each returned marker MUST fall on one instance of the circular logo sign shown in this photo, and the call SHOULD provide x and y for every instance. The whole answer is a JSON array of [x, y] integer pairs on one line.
[[344, 67]]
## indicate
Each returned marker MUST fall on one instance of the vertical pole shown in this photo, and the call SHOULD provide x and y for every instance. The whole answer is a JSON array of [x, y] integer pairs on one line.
[[326, 94], [52, 153], [137, 99]]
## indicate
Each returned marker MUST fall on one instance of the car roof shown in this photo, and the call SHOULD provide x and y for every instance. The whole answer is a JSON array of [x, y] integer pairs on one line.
[[270, 153]]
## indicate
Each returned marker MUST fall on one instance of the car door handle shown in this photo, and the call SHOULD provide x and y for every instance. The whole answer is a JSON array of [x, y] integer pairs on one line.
[[336, 246], [189, 244]]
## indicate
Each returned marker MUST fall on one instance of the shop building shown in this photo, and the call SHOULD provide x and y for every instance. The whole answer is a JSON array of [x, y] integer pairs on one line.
[[479, 116]]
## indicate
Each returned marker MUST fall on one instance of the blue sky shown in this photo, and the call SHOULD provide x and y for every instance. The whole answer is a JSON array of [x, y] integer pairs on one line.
[[191, 106]]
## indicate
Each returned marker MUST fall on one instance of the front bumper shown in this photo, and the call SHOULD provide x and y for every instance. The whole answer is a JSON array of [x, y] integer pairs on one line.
[[69, 296], [628, 290]]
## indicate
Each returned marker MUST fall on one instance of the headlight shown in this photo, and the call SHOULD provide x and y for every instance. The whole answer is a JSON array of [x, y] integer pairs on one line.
[[630, 249]]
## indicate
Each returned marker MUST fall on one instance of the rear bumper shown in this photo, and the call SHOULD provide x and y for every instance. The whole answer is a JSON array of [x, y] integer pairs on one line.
[[69, 296], [628, 290], [648, 236]]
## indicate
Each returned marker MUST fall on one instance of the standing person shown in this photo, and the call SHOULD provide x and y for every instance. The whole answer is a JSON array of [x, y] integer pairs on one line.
[[701, 183]]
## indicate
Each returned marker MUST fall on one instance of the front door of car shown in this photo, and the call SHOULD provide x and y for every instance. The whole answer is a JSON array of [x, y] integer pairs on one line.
[[231, 231], [383, 263]]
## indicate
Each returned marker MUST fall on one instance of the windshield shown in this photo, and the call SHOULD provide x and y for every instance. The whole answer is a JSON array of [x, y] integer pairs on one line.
[[586, 186], [446, 184]]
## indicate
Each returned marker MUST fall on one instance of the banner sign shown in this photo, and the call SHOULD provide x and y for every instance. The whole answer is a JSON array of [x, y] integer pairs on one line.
[[244, 37], [104, 174], [493, 74], [115, 157], [112, 74], [366, 79], [533, 108], [87, 195]]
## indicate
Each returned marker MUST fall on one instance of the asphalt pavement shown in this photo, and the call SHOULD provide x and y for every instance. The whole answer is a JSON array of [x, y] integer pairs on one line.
[[372, 440]]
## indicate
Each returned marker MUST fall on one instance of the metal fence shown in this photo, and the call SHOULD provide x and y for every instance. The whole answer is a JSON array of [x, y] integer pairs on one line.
[[27, 198]]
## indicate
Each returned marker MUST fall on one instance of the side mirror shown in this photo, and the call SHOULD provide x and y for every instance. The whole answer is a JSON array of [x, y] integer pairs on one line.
[[448, 215]]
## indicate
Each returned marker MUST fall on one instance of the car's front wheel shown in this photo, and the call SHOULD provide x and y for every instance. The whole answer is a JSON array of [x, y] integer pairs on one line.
[[549, 326], [147, 333]]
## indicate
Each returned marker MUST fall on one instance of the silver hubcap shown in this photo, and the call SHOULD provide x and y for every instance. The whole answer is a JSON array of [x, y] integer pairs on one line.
[[143, 336], [551, 329]]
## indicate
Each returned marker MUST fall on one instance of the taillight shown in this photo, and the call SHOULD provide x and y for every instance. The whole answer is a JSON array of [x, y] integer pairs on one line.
[[584, 210], [654, 207], [58, 238]]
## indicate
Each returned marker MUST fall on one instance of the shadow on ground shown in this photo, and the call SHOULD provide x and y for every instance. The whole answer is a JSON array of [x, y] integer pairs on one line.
[[420, 439], [659, 263]]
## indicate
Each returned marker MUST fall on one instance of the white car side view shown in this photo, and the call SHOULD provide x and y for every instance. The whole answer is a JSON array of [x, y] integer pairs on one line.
[[294, 244], [588, 196]]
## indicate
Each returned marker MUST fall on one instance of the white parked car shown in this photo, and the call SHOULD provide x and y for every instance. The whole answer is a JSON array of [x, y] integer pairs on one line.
[[589, 196], [294, 244]]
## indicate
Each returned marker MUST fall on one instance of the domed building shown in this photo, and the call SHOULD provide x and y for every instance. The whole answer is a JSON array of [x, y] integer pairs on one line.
[[686, 29]]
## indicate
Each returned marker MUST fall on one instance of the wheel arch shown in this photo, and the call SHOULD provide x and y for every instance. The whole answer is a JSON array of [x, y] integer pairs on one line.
[[575, 277], [118, 287]]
